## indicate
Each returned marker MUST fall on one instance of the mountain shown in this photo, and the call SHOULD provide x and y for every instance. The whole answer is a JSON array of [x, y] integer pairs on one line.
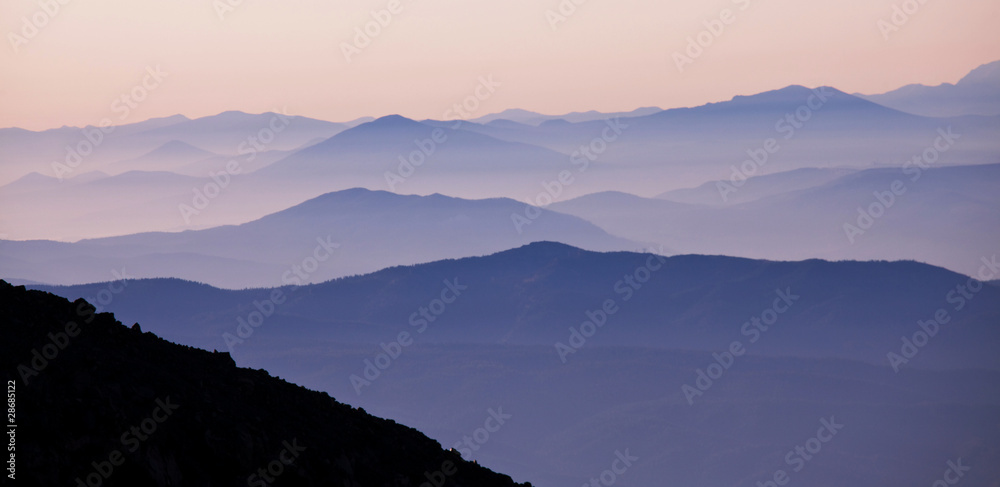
[[150, 124], [978, 93], [535, 118], [514, 115], [84, 149], [356, 231], [533, 294], [169, 156], [766, 133], [93, 203], [845, 218], [229, 132], [422, 159], [756, 187], [116, 406], [808, 128], [621, 392]]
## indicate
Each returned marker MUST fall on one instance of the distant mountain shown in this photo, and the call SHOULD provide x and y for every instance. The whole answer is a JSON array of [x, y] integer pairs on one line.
[[642, 154], [94, 203], [169, 156], [390, 137], [176, 148], [756, 187], [535, 118], [978, 93], [920, 223], [405, 156], [150, 124], [203, 421], [228, 133], [366, 226], [29, 183], [514, 115], [686, 147]]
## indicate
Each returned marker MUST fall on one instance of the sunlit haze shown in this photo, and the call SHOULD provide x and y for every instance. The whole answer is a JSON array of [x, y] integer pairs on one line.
[[603, 55]]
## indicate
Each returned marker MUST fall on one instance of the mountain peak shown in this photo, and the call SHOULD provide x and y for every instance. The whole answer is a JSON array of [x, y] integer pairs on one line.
[[388, 123], [790, 93], [390, 120], [544, 249], [988, 73], [178, 148]]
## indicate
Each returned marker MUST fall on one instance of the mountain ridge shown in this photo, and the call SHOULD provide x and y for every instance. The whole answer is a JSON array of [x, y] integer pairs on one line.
[[204, 407]]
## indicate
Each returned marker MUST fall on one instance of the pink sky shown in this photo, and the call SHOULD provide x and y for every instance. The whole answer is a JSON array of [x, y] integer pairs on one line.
[[607, 55]]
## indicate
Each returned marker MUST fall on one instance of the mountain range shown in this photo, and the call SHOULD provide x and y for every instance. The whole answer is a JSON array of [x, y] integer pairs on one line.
[[664, 288], [492, 344], [977, 93], [644, 152], [829, 213], [350, 232]]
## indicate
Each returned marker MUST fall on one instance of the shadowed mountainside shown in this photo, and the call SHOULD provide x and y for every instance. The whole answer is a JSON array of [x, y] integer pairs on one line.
[[203, 421]]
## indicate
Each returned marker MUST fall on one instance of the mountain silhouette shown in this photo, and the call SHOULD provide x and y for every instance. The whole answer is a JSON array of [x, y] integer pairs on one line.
[[805, 214], [201, 420], [365, 226], [977, 93]]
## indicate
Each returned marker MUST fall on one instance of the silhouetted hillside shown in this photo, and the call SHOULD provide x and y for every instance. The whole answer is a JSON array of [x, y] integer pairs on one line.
[[84, 380]]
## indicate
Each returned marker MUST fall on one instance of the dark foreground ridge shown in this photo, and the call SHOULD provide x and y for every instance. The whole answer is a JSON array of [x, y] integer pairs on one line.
[[97, 403]]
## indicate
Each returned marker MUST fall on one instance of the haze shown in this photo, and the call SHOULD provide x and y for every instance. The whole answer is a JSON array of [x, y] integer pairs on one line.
[[262, 55]]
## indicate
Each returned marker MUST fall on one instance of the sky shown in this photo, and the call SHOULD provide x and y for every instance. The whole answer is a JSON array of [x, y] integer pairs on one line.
[[72, 64]]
